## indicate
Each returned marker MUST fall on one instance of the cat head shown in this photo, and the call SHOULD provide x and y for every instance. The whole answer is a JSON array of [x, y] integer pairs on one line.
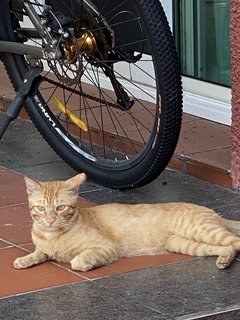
[[53, 204]]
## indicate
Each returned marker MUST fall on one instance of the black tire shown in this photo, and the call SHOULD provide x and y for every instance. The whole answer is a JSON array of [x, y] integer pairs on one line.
[[150, 157]]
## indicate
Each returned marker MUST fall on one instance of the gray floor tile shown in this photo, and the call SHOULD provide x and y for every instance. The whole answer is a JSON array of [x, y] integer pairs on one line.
[[84, 301], [181, 289]]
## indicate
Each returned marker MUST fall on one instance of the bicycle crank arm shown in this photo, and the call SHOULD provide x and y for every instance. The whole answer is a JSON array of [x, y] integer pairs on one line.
[[16, 105]]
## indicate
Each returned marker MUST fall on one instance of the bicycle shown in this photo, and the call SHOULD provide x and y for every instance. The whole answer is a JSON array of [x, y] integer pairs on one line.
[[100, 80]]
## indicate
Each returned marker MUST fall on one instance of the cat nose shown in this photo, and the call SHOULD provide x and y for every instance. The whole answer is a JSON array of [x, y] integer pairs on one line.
[[50, 221]]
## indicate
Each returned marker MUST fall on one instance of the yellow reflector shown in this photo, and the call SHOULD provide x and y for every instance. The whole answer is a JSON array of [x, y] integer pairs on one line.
[[77, 121]]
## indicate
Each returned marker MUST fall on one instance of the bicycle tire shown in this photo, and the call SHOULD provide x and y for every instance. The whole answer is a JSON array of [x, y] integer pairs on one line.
[[157, 152]]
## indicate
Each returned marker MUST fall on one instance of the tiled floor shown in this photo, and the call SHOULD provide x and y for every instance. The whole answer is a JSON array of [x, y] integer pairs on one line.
[[150, 287]]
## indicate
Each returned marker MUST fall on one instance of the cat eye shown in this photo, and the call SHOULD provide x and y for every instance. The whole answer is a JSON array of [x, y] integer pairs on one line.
[[61, 207], [41, 208]]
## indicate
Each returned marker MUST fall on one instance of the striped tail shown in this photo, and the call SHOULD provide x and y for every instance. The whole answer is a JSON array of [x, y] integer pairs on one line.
[[233, 226]]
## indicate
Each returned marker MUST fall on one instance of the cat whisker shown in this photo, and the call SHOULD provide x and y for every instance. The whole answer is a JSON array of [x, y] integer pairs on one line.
[[65, 226], [67, 223], [40, 223]]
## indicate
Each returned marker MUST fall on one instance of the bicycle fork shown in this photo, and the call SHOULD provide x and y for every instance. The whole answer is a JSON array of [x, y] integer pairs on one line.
[[30, 81]]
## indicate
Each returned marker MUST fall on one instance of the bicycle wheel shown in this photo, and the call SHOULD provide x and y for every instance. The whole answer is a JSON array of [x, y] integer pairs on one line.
[[112, 106]]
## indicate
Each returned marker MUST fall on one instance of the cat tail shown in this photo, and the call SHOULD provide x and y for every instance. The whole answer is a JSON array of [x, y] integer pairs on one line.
[[233, 226]]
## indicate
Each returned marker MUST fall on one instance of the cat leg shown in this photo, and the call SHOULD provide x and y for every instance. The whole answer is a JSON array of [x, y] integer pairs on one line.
[[183, 245], [30, 260], [216, 235], [93, 257]]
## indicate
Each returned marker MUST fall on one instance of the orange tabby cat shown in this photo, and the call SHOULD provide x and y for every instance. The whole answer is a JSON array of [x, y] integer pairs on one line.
[[96, 236]]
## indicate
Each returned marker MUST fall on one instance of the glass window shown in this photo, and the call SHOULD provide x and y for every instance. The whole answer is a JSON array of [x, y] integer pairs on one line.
[[203, 39]]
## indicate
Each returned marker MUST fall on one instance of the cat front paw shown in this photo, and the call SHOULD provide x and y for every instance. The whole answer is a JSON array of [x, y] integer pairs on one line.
[[79, 265], [30, 260], [21, 263]]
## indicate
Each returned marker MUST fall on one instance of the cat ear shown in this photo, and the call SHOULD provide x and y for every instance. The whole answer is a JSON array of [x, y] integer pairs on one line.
[[32, 185], [76, 181]]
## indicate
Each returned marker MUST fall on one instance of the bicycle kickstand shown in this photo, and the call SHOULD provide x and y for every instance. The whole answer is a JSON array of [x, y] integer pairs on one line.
[[26, 87]]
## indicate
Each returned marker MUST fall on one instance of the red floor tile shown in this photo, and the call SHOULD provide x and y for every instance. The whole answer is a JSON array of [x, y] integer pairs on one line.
[[12, 188], [204, 151], [43, 276], [130, 264], [15, 224], [219, 158], [202, 135]]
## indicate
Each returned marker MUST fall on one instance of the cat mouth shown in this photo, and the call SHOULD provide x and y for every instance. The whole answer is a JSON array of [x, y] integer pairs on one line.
[[50, 228]]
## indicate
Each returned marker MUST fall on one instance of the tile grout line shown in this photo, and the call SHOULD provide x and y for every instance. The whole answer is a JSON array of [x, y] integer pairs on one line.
[[34, 165], [37, 290], [71, 271], [208, 314], [90, 191], [14, 245], [188, 159], [13, 205], [204, 151], [4, 248]]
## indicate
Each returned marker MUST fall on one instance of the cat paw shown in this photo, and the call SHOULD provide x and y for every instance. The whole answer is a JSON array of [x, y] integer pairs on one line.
[[79, 265], [25, 262], [223, 262], [20, 263]]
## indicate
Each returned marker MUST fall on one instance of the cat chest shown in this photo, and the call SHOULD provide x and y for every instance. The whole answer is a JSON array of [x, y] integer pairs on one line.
[[60, 250]]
